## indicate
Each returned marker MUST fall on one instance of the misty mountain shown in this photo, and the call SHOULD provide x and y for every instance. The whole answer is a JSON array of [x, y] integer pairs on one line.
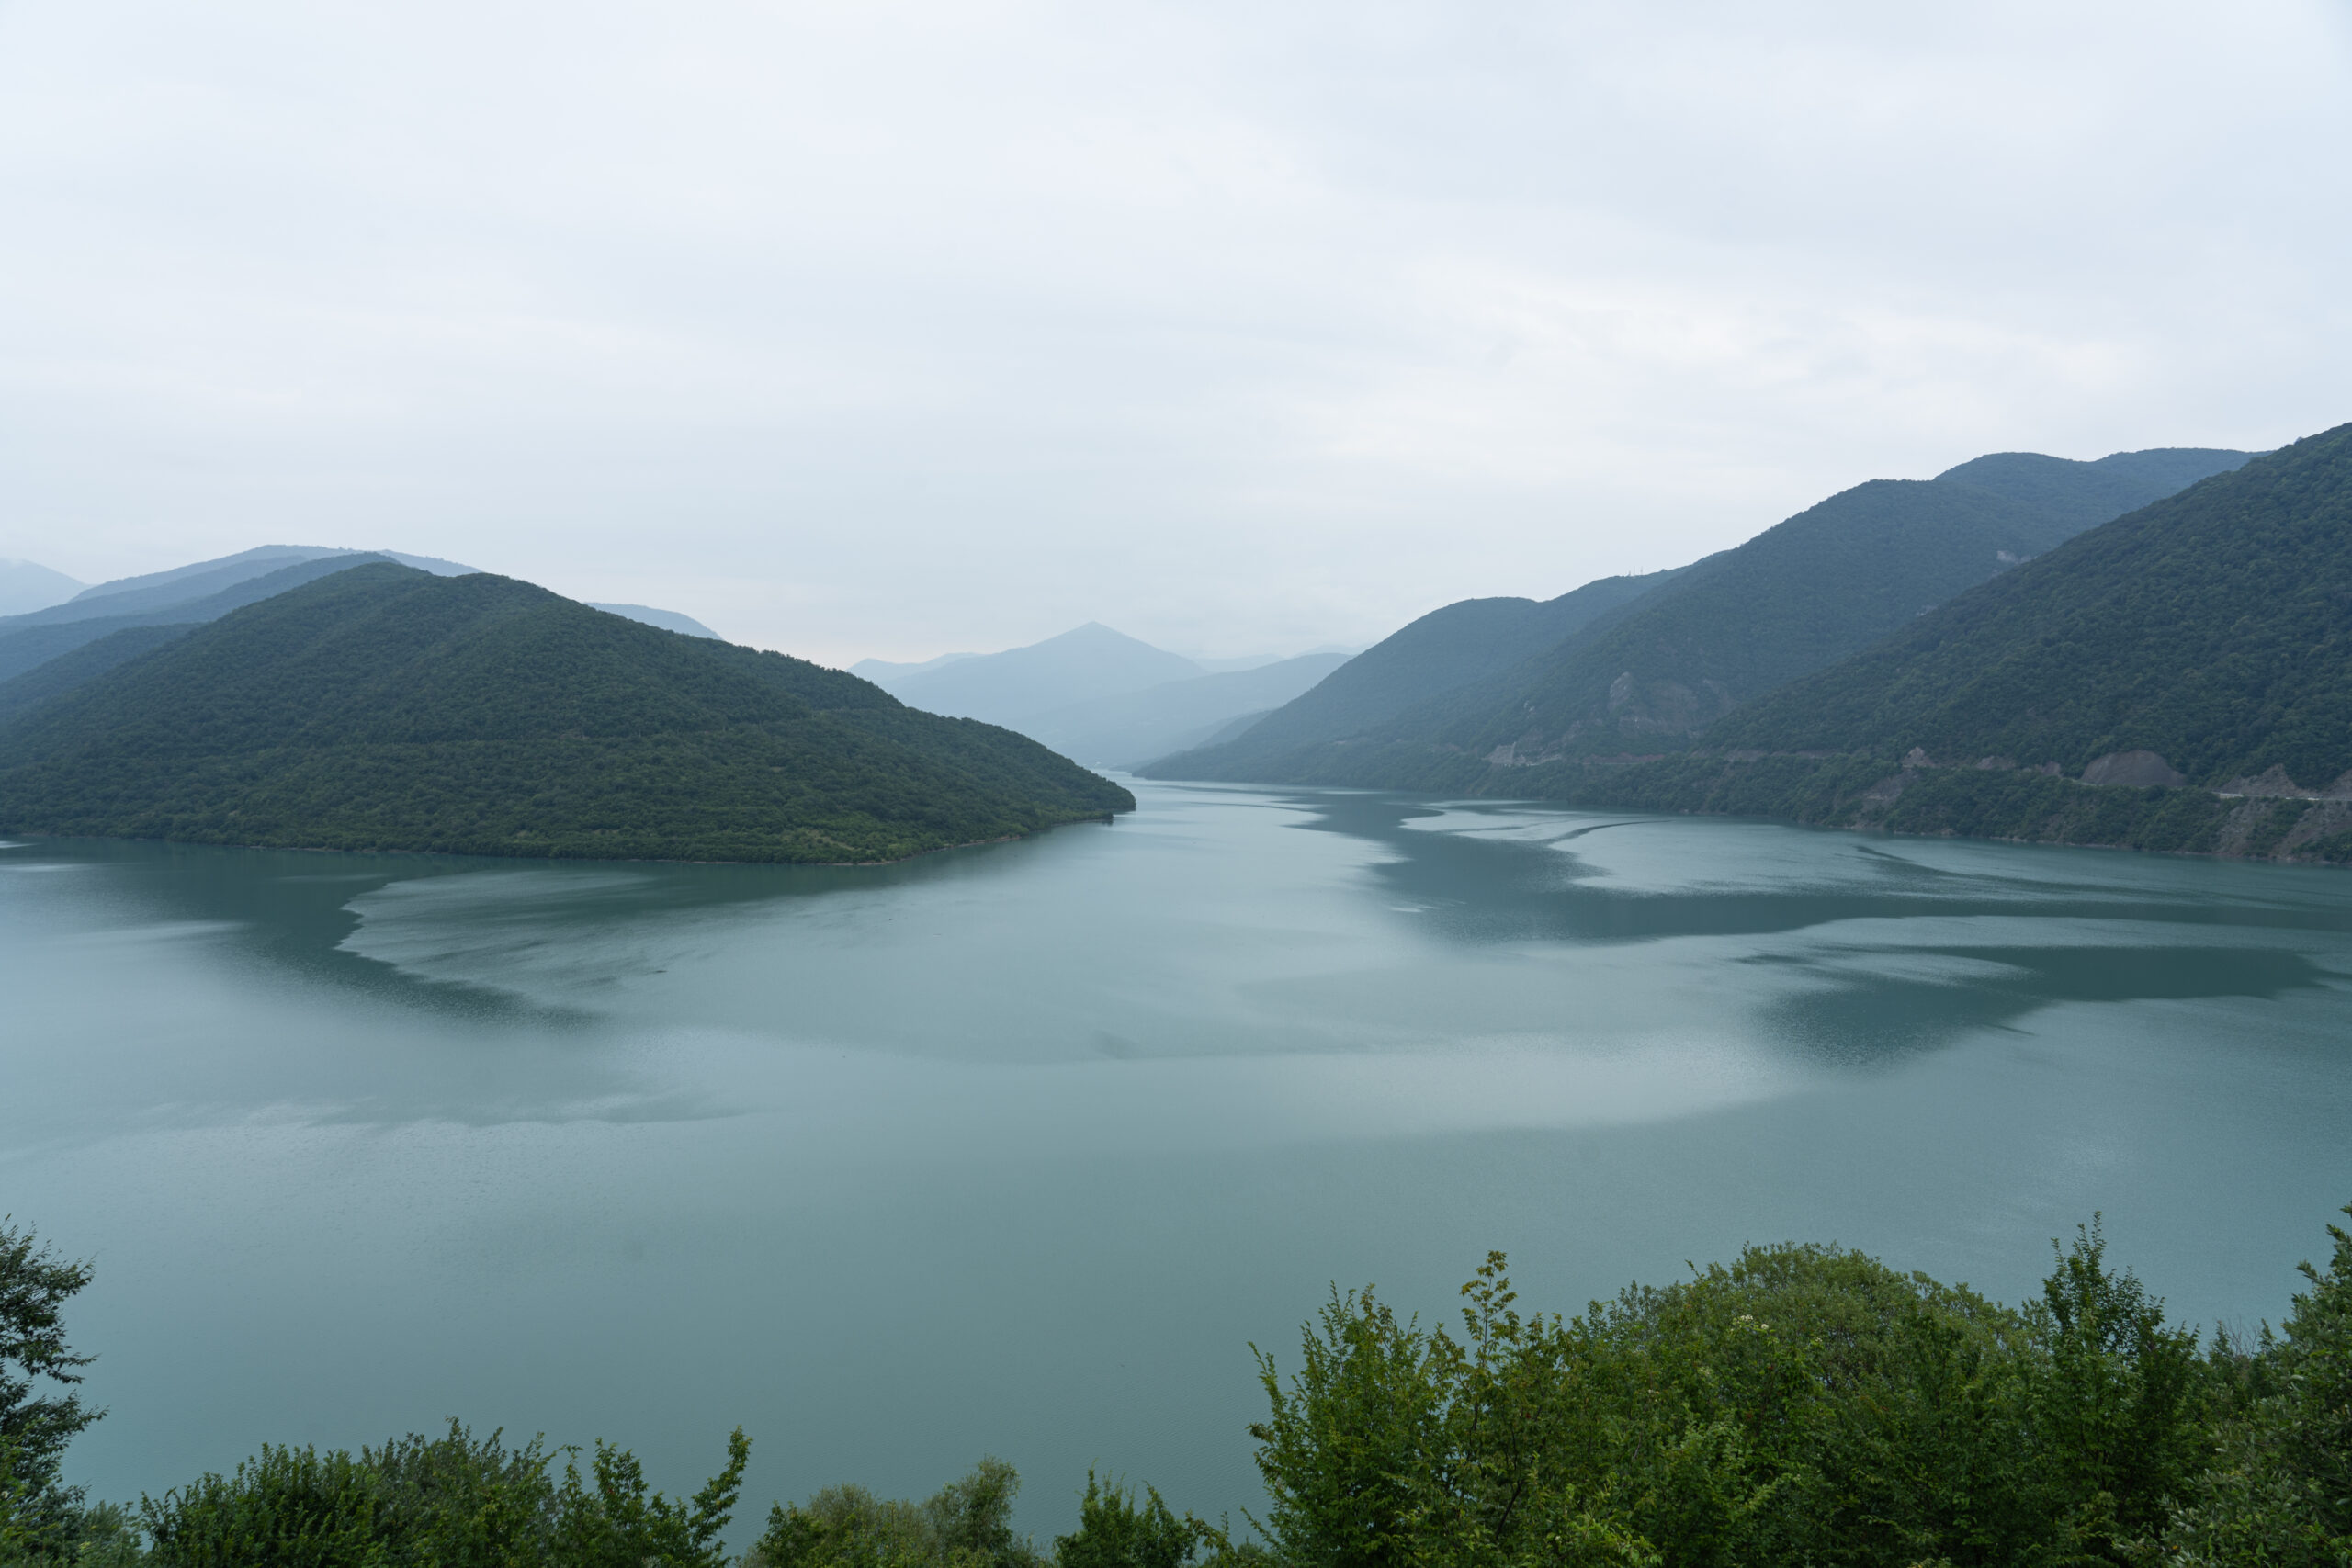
[[27, 642], [668, 620], [202, 579], [1797, 598], [1022, 683], [382, 707], [1132, 728], [1443, 651], [27, 585], [882, 672]]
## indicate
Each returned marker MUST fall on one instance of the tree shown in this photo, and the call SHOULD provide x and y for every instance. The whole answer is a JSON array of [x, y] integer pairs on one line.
[[2278, 1492], [966, 1524], [2118, 1399], [36, 1420], [1115, 1533]]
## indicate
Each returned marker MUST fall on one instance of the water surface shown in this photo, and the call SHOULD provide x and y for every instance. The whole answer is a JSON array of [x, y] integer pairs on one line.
[[1017, 1149]]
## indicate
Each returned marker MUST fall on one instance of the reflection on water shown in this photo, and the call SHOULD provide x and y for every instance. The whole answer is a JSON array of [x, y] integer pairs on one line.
[[993, 945], [1016, 1148], [1889, 999]]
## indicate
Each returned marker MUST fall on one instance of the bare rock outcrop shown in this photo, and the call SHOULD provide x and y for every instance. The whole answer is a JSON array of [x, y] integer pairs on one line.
[[2271, 781], [2138, 769]]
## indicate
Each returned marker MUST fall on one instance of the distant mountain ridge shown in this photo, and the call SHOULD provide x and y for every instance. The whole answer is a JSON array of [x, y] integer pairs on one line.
[[1015, 686], [202, 579], [381, 707], [189, 595], [1129, 729], [883, 672], [668, 620], [27, 642], [27, 585], [1099, 696], [1650, 675]]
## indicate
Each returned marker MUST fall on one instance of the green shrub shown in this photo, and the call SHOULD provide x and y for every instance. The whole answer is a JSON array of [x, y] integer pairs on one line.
[[2278, 1492], [450, 1502]]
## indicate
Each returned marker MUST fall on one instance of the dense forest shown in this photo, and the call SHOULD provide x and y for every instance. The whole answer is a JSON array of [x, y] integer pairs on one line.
[[1803, 1405], [385, 709]]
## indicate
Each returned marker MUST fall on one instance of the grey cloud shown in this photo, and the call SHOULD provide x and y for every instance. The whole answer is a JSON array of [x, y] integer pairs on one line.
[[896, 329]]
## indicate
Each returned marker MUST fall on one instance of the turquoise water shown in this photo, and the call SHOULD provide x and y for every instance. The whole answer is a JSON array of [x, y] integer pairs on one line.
[[1017, 1149]]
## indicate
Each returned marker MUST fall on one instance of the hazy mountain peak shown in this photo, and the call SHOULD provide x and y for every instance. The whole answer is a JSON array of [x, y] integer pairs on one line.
[[155, 591], [668, 620], [1011, 687], [261, 559], [882, 672], [27, 585]]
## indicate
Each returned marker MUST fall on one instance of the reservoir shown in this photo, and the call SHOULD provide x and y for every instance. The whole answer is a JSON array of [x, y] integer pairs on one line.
[[1018, 1149]]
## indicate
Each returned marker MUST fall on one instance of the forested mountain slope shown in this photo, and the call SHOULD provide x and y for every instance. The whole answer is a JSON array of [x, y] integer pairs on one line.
[[384, 708], [1799, 596], [79, 666], [2213, 628]]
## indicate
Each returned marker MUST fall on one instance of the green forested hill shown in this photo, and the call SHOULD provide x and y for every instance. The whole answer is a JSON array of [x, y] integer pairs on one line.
[[1654, 675], [383, 708], [2213, 628]]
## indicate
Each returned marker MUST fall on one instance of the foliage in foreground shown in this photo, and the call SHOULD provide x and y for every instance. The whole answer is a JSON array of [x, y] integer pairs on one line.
[[1800, 1406]]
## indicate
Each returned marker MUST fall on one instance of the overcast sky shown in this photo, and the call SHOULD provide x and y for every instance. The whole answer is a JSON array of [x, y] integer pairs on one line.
[[894, 329]]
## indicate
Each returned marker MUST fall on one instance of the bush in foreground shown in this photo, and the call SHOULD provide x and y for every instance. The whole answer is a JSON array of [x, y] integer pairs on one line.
[[1800, 1405]]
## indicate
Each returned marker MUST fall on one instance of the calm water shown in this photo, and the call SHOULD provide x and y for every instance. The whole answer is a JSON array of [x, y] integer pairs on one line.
[[1018, 1149]]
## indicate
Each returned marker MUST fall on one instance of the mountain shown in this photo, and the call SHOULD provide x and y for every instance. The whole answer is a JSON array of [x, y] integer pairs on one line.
[[668, 620], [2089, 493], [384, 708], [2180, 679], [1012, 687], [197, 579], [27, 585], [1131, 728], [2205, 640], [202, 579], [1799, 596], [27, 642], [883, 673], [1443, 651]]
